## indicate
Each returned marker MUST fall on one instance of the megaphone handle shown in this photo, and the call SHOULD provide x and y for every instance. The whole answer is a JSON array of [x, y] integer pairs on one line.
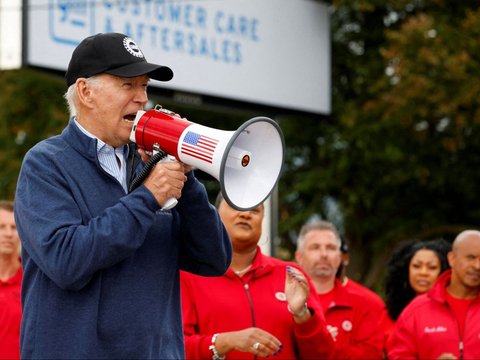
[[170, 203]]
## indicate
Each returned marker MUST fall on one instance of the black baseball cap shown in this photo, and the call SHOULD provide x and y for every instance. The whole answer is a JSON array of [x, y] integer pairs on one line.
[[114, 54]]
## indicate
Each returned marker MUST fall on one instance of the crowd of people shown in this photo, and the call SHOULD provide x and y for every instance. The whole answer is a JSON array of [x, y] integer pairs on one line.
[[110, 272]]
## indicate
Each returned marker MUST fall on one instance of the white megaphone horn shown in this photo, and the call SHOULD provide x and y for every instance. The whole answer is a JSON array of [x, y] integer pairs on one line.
[[247, 162]]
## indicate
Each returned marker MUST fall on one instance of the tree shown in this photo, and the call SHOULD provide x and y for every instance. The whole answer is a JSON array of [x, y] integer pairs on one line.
[[31, 109], [398, 151]]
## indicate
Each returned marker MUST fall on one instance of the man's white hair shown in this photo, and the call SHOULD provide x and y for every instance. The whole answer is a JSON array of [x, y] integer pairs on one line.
[[71, 95]]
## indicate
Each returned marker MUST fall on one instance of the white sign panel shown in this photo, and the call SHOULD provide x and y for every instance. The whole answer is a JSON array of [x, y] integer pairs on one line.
[[10, 34], [269, 52]]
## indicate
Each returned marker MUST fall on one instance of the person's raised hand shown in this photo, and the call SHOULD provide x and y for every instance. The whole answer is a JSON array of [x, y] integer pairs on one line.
[[297, 290]]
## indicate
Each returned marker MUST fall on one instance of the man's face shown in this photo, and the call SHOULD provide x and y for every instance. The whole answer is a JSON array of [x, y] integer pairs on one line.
[[465, 262], [9, 240], [113, 104], [243, 227], [321, 254]]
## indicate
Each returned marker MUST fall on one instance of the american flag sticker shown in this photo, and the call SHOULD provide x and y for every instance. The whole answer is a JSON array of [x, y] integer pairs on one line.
[[199, 146]]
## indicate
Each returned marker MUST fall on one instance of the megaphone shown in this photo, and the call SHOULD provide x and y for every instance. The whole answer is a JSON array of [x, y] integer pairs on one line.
[[247, 162]]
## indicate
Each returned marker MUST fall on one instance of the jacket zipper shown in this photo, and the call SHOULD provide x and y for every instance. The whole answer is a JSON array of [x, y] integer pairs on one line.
[[460, 334], [250, 302], [461, 345]]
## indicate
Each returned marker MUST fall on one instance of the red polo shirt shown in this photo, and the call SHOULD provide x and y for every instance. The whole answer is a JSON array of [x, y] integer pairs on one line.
[[354, 323], [10, 316]]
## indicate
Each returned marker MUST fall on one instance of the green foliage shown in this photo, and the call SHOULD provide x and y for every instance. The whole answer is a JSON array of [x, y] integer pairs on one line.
[[398, 153], [31, 109]]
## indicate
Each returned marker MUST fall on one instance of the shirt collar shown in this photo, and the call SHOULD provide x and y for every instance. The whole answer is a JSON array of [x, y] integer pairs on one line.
[[101, 146]]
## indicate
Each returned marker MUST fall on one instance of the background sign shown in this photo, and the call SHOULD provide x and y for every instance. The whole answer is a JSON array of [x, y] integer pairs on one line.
[[269, 52], [10, 34]]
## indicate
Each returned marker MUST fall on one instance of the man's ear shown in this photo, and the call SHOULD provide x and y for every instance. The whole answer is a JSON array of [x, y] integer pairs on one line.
[[84, 92], [298, 257], [451, 258]]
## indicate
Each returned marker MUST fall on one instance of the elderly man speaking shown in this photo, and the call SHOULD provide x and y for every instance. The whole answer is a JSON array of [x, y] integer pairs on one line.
[[101, 263]]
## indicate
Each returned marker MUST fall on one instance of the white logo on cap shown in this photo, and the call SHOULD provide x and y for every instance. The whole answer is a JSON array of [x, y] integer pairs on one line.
[[132, 47]]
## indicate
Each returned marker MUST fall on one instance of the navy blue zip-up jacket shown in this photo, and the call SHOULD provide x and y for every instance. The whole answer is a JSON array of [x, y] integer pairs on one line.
[[101, 267]]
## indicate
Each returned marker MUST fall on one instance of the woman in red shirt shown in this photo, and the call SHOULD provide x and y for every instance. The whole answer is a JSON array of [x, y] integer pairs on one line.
[[262, 305], [412, 270]]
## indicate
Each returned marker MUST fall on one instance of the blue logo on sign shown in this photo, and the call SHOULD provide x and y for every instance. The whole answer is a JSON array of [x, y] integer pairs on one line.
[[74, 18]]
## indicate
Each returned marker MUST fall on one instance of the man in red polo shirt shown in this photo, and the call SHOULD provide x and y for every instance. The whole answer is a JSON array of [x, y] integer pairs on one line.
[[444, 323], [352, 320], [10, 284]]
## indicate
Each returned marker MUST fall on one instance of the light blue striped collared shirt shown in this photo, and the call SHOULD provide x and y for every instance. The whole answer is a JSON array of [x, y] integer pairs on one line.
[[109, 158]]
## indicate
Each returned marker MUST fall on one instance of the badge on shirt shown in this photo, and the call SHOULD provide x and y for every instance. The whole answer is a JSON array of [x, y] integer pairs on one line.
[[347, 325]]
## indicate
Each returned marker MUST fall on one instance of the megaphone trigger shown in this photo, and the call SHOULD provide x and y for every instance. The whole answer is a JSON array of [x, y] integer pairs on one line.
[[246, 162]]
